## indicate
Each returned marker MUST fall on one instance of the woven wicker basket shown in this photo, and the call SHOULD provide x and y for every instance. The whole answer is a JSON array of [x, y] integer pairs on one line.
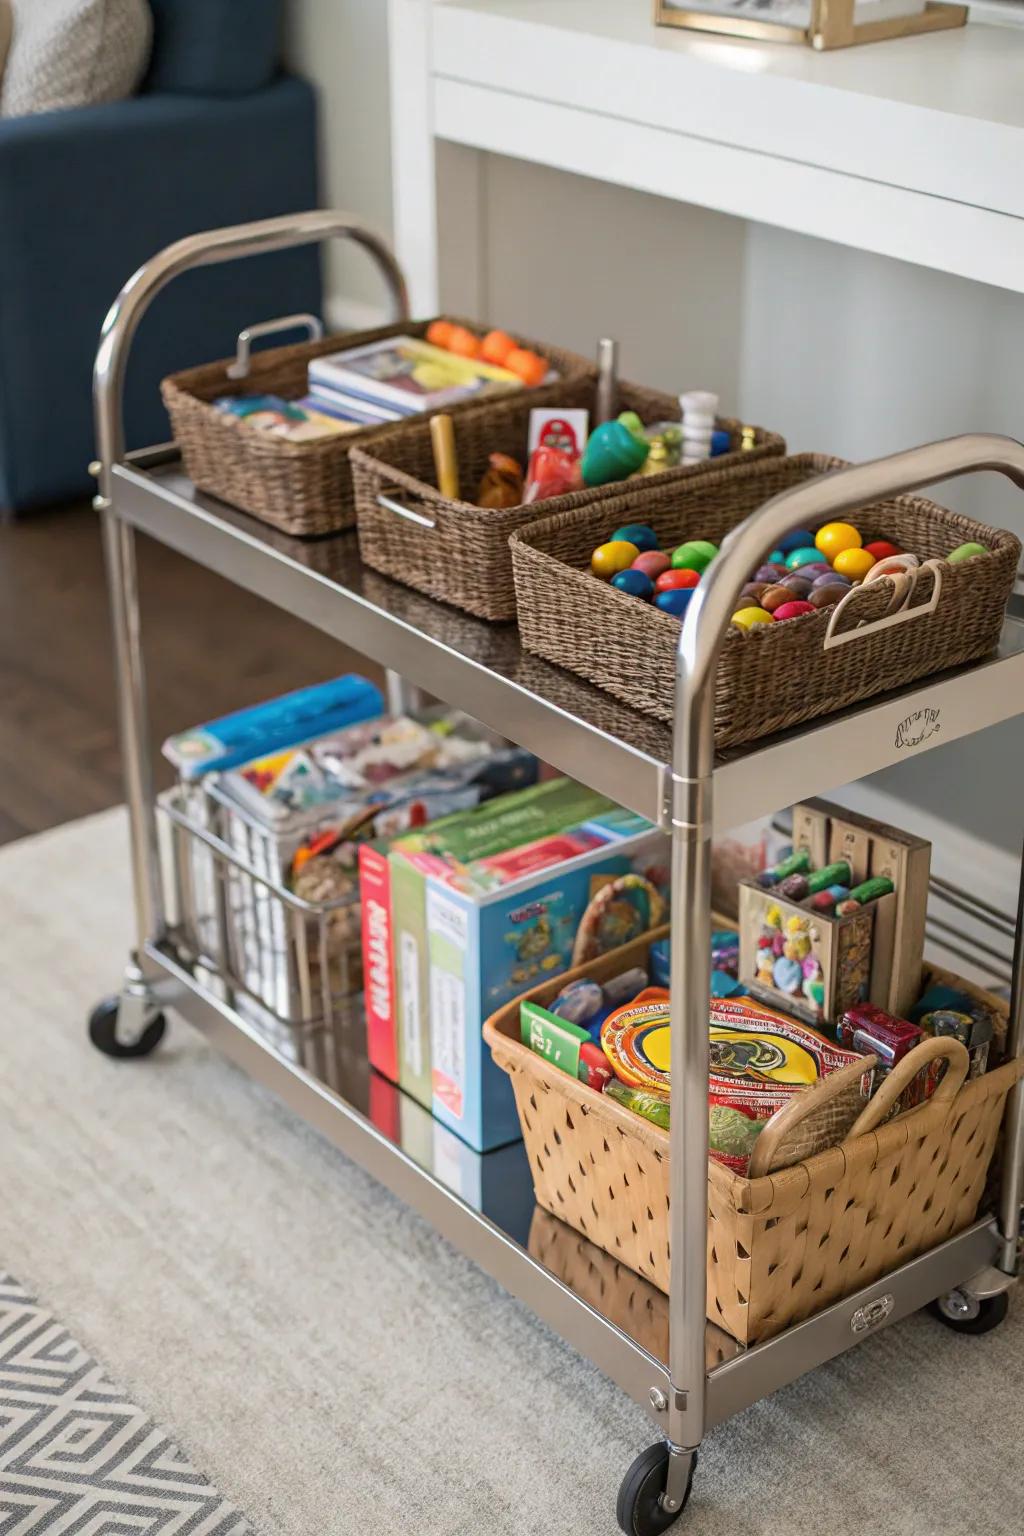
[[774, 676], [304, 489], [458, 551], [782, 1247]]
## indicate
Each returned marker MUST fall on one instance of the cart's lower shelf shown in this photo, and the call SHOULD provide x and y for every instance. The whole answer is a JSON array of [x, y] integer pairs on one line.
[[484, 1205]]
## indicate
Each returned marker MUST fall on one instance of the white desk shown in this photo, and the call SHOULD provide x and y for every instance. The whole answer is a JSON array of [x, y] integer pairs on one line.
[[912, 149]]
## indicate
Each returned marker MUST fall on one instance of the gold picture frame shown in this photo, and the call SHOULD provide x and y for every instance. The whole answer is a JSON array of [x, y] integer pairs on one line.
[[832, 24]]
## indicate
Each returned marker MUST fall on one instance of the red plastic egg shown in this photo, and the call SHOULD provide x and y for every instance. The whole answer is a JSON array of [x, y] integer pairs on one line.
[[682, 577], [793, 610], [882, 549]]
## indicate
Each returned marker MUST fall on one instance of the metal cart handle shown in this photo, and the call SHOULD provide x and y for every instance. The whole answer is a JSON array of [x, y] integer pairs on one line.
[[204, 250], [842, 490]]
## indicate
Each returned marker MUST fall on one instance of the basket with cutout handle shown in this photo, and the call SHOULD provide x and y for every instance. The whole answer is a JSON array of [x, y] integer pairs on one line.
[[858, 1195], [887, 634]]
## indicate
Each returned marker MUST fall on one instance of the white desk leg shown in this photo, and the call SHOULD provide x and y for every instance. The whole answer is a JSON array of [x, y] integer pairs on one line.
[[435, 186], [413, 179]]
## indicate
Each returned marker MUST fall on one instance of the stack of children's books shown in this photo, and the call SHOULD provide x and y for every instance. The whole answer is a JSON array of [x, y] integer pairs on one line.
[[398, 376]]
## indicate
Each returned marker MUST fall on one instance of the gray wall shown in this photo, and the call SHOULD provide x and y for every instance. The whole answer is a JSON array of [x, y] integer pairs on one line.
[[841, 351]]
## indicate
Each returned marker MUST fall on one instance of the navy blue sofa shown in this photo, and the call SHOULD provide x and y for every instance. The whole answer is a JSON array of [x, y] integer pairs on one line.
[[216, 136]]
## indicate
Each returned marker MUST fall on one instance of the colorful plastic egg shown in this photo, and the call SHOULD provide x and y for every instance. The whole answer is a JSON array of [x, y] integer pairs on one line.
[[798, 539], [669, 580], [750, 618], [635, 583], [808, 555], [675, 600], [695, 555], [814, 569], [794, 887], [823, 901], [797, 583], [754, 589], [747, 602], [882, 549], [787, 975], [844, 908], [832, 579], [854, 562], [612, 453], [774, 597], [777, 557], [838, 892], [831, 592], [835, 537], [639, 534], [769, 572], [966, 552], [652, 562], [793, 610], [611, 558], [894, 565]]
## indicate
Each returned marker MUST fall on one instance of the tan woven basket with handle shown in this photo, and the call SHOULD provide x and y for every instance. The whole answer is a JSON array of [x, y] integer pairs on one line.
[[774, 676], [304, 489], [458, 551], [780, 1247]]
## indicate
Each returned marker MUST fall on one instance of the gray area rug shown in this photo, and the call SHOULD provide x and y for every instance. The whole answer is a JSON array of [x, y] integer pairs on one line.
[[330, 1363], [76, 1455]]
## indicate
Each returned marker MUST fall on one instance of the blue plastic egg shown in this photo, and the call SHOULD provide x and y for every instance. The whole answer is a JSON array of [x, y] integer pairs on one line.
[[798, 539], [635, 583], [788, 975], [639, 534], [777, 557], [721, 442], [839, 892], [676, 600], [807, 555]]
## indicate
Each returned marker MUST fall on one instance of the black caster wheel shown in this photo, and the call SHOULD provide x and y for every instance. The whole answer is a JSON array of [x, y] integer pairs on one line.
[[103, 1026], [639, 1510], [970, 1314]]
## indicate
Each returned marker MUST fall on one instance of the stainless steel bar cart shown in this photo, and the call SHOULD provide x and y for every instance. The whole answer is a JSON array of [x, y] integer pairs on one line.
[[671, 777]]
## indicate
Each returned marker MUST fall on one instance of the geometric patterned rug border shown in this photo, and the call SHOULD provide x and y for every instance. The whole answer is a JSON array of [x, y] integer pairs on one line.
[[78, 1459]]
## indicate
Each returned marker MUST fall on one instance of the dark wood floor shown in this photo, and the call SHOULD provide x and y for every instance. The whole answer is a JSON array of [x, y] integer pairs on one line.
[[209, 648]]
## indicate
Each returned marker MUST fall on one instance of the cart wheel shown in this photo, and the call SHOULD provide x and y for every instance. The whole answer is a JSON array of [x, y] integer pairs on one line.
[[970, 1314], [103, 1031], [639, 1510]]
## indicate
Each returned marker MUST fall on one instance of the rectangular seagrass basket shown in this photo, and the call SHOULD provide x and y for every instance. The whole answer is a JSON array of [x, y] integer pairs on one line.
[[773, 676], [458, 551], [304, 489], [781, 1247]]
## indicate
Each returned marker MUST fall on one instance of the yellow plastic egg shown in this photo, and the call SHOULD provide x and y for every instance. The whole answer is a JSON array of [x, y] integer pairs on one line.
[[611, 558], [748, 618], [834, 538], [854, 563]]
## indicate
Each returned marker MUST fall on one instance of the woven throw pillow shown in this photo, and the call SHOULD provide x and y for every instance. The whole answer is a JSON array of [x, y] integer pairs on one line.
[[74, 53]]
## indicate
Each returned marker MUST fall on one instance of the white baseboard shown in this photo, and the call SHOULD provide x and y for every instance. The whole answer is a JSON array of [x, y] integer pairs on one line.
[[345, 314]]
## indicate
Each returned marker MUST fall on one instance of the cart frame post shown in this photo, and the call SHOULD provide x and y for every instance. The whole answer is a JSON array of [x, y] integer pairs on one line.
[[689, 815], [119, 328]]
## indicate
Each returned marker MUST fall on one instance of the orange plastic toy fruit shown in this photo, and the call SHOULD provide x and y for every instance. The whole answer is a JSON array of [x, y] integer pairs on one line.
[[528, 366], [462, 342], [439, 333], [496, 347]]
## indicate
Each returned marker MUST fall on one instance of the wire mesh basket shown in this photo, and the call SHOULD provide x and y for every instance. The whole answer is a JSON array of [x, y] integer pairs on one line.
[[293, 966]]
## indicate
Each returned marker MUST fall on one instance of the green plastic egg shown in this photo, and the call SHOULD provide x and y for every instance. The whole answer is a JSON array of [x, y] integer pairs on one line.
[[966, 552], [695, 555]]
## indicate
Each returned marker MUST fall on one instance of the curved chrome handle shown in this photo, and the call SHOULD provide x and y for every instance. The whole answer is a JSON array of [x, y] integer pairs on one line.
[[239, 369], [842, 490], [204, 250]]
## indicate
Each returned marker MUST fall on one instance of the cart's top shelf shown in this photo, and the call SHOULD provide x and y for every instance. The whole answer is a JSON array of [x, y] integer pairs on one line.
[[482, 668]]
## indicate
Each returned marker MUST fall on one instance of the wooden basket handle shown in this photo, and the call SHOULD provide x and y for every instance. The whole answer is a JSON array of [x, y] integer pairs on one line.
[[800, 1107], [903, 1073]]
